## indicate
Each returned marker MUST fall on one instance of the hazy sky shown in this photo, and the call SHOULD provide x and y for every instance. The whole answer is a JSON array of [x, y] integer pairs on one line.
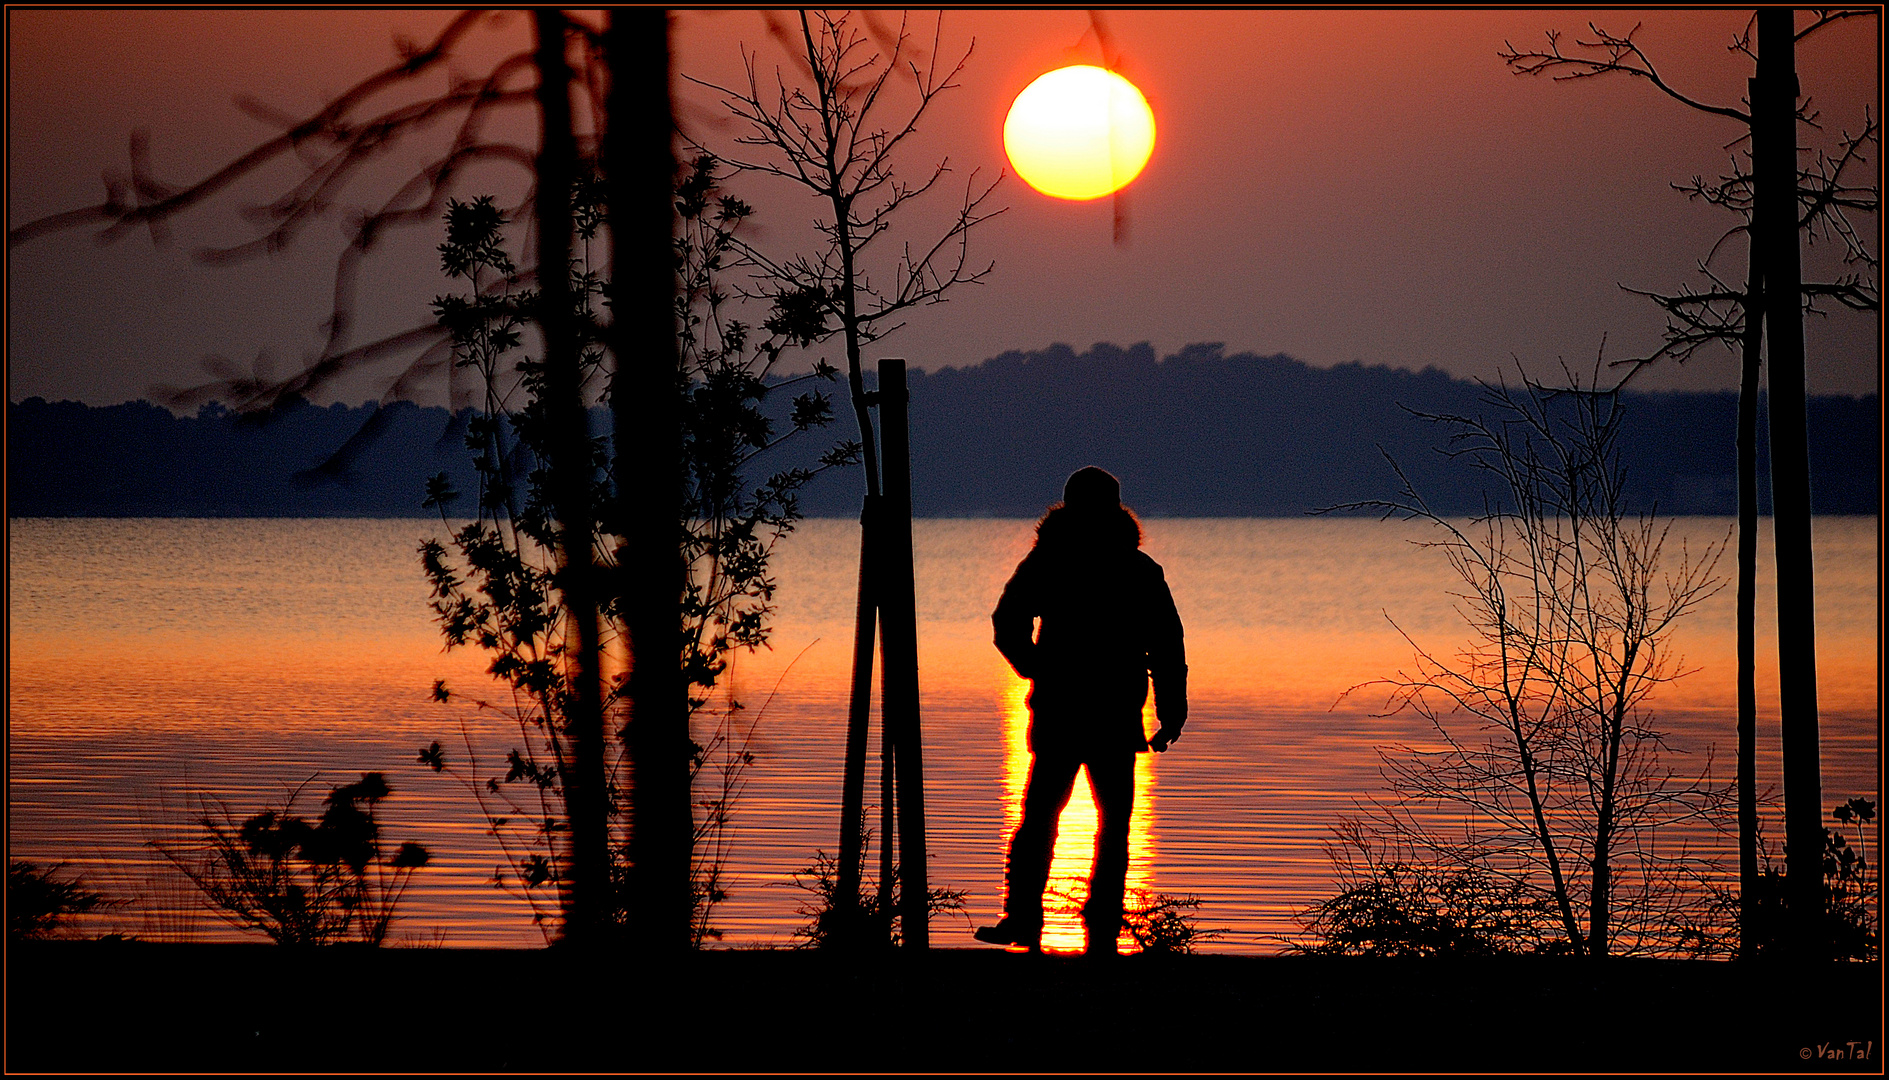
[[1337, 185]]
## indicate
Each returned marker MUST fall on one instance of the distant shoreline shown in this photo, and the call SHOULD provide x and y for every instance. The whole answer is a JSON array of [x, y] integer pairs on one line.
[[1197, 434]]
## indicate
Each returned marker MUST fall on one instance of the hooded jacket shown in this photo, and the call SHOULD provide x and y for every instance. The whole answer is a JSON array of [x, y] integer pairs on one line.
[[1107, 624]]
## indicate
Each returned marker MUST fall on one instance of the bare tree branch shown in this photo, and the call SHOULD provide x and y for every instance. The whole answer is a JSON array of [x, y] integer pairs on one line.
[[1616, 54], [333, 146]]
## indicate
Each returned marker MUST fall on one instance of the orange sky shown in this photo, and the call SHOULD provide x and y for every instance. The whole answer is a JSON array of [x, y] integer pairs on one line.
[[1336, 185]]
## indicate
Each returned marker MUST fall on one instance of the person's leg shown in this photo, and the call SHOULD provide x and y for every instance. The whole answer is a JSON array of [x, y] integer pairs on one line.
[[1045, 794], [1112, 779]]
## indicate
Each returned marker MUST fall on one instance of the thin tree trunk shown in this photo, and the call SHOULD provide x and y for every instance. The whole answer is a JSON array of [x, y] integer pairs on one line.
[[858, 715], [587, 913], [1600, 882], [865, 631], [1563, 901], [640, 169], [1775, 232], [846, 908], [1748, 880]]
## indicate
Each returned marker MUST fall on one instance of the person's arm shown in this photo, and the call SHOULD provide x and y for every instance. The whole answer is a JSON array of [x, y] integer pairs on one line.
[[1167, 664], [1014, 622]]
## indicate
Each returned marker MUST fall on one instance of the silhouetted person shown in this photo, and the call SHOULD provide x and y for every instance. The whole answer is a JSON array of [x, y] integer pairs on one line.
[[1107, 623]]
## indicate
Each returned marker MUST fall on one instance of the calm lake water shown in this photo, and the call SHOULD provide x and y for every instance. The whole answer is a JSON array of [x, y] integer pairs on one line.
[[153, 659]]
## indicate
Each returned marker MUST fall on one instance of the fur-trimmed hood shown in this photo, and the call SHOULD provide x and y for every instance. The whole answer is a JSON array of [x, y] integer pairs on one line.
[[1089, 528]]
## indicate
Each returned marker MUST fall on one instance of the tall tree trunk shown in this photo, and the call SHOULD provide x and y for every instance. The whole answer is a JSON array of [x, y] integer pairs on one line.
[[645, 395], [1748, 879], [588, 901], [1775, 232]]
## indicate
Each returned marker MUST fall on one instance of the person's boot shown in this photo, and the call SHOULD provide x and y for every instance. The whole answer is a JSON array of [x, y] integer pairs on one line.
[[1011, 930], [1100, 940]]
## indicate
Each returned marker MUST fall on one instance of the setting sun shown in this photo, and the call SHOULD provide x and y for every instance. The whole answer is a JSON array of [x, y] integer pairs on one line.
[[1079, 132]]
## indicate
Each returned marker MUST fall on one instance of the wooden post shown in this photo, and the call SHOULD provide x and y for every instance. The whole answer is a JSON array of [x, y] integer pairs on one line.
[[898, 599], [888, 836]]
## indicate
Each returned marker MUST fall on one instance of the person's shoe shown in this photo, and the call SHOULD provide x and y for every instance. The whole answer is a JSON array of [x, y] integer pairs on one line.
[[1009, 931]]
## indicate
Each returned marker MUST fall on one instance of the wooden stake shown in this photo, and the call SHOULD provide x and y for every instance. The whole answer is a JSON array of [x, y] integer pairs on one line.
[[898, 599]]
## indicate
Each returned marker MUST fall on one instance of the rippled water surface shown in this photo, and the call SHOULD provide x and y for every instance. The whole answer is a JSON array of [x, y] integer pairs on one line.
[[153, 662]]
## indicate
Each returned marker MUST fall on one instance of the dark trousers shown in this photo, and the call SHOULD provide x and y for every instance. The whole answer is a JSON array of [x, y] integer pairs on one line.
[[1052, 776]]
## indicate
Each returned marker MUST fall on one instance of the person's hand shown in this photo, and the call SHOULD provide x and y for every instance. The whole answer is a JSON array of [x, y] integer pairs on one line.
[[1165, 737]]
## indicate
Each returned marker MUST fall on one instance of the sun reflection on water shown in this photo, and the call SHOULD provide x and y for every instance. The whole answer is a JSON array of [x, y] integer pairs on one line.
[[1075, 832]]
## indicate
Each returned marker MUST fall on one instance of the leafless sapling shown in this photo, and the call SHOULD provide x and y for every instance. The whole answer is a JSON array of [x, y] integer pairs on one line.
[[1543, 733]]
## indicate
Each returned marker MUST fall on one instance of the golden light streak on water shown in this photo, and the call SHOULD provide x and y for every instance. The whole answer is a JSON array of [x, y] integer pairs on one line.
[[1075, 831]]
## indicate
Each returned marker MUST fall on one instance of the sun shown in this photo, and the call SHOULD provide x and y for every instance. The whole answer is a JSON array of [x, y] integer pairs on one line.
[[1079, 132]]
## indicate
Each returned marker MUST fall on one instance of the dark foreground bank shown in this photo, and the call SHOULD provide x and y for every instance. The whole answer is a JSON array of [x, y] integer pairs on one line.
[[105, 1006]]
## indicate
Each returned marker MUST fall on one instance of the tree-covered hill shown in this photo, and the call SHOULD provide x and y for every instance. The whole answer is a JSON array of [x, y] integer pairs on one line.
[[1196, 434]]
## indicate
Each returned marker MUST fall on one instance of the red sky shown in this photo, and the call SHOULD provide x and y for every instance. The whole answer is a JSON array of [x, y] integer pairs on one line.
[[1336, 185]]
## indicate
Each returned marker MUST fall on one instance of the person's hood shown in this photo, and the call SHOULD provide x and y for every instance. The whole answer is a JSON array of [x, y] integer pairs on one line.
[[1089, 527]]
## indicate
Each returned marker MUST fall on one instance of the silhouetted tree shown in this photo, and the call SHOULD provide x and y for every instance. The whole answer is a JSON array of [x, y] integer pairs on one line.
[[621, 76], [1546, 739], [1779, 200], [496, 590], [825, 134]]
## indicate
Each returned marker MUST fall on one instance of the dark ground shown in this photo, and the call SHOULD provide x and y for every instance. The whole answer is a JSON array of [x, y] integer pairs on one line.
[[75, 1006]]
